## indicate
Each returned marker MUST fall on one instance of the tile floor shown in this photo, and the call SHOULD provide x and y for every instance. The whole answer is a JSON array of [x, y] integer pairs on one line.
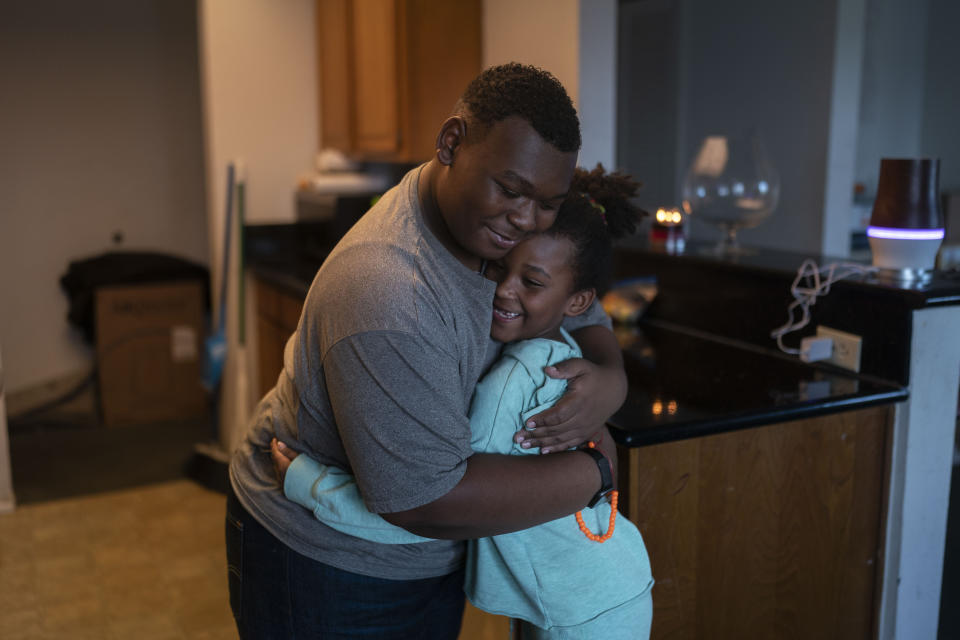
[[145, 563]]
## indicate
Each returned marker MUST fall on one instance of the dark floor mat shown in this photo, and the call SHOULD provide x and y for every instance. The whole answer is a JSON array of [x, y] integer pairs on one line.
[[62, 459]]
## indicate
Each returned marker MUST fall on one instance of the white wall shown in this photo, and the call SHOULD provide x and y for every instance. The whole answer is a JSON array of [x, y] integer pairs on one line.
[[839, 216], [768, 65], [100, 132], [260, 104], [940, 136], [891, 110], [647, 98], [597, 82], [575, 40], [259, 72]]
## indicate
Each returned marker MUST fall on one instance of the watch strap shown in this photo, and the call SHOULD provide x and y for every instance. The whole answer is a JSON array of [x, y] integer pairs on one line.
[[606, 476]]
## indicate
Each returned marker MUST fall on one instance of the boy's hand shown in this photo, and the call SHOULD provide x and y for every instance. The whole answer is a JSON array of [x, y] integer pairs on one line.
[[282, 456], [593, 394]]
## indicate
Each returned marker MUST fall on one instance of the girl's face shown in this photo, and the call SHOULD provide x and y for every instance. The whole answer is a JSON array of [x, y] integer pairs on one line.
[[535, 290]]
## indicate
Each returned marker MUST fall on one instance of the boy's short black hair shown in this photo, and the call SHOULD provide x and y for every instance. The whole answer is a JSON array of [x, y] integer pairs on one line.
[[531, 93]]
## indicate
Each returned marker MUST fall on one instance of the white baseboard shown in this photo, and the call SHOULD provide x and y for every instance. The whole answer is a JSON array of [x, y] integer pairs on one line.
[[37, 395]]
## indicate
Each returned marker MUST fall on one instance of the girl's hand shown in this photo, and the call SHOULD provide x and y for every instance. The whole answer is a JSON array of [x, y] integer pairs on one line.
[[282, 456], [593, 394]]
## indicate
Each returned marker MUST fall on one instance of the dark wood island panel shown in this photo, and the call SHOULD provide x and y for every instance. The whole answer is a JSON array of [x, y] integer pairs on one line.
[[769, 532], [278, 313]]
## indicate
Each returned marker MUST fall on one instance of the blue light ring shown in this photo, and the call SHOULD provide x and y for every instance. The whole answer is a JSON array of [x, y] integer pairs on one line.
[[892, 233]]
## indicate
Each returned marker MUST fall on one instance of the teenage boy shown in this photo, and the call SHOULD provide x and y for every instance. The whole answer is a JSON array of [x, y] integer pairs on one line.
[[378, 378]]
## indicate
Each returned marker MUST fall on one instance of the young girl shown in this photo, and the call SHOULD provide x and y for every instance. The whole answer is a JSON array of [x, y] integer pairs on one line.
[[582, 576]]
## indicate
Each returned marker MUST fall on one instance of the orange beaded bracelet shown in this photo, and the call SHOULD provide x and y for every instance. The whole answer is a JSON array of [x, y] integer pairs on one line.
[[614, 495]]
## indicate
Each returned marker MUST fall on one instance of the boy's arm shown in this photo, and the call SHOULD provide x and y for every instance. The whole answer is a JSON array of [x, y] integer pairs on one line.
[[398, 402], [502, 397], [596, 389], [503, 493]]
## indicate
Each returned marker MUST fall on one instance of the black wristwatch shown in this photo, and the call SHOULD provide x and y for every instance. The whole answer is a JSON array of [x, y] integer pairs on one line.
[[606, 477]]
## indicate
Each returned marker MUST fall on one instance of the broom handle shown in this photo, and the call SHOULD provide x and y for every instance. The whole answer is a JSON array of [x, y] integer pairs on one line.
[[241, 289], [226, 251]]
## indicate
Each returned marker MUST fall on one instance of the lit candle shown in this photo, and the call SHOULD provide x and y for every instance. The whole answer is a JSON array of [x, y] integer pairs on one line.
[[669, 218], [667, 229]]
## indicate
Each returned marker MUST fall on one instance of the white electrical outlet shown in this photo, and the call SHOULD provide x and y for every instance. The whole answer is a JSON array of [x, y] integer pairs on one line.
[[846, 348]]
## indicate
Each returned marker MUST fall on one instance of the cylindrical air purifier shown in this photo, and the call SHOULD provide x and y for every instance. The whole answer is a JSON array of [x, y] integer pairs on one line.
[[906, 225]]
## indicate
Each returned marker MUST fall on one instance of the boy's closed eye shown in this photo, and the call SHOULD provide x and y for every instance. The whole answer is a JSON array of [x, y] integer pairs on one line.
[[507, 191], [545, 205]]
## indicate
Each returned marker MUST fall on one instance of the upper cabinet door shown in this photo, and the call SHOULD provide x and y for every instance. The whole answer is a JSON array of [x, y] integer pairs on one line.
[[441, 55], [391, 71], [336, 73], [376, 71]]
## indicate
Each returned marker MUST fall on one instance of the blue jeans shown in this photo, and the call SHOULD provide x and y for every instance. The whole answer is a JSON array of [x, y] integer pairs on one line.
[[276, 592]]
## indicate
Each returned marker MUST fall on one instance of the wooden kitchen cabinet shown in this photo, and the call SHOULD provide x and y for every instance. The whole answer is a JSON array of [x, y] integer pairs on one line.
[[768, 532], [278, 313], [391, 72]]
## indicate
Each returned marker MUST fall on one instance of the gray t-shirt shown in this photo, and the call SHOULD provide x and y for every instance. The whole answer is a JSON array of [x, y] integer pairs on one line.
[[377, 380]]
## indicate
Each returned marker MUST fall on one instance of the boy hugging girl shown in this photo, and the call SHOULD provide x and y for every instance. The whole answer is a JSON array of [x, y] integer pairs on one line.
[[580, 576]]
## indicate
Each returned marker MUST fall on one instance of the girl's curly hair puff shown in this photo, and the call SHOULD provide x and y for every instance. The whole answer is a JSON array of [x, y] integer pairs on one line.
[[597, 211]]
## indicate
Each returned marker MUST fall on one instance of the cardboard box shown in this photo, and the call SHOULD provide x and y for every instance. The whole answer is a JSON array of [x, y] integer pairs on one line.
[[149, 339]]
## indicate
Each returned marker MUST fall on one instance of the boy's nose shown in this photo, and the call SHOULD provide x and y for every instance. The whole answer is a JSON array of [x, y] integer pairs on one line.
[[523, 216]]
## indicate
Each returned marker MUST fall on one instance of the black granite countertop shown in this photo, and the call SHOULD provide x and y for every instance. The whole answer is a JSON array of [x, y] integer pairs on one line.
[[288, 255], [686, 379], [746, 297], [686, 384]]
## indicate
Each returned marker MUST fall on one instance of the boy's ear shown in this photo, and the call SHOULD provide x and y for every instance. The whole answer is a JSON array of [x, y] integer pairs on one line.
[[452, 133], [579, 302]]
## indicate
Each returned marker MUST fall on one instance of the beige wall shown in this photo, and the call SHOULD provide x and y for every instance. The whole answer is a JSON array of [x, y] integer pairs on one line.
[[100, 132], [544, 33]]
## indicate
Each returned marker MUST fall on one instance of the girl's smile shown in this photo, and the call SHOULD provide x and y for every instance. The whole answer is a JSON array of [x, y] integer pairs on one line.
[[535, 289]]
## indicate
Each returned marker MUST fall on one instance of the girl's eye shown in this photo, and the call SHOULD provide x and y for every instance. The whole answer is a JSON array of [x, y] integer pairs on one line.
[[546, 206], [532, 283]]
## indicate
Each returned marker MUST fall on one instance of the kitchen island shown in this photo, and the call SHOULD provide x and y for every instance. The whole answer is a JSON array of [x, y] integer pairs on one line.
[[757, 482], [778, 498]]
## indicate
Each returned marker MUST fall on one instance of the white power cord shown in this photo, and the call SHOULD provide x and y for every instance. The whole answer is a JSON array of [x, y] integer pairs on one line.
[[813, 281]]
